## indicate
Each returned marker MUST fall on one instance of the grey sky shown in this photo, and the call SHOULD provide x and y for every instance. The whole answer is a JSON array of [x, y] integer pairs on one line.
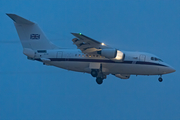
[[30, 90]]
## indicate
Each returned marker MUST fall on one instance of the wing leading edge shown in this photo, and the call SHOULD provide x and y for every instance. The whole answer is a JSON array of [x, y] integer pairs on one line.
[[86, 44]]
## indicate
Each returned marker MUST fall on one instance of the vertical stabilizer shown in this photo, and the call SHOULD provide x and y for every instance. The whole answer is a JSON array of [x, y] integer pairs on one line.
[[31, 36]]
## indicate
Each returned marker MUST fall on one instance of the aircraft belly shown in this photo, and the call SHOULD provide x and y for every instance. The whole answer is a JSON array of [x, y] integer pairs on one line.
[[110, 68], [132, 69], [70, 65]]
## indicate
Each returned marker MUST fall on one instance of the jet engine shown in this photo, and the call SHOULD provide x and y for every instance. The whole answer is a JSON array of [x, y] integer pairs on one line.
[[109, 53], [112, 53]]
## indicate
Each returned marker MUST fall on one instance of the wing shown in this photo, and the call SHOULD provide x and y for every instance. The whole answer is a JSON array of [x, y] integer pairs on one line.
[[86, 44]]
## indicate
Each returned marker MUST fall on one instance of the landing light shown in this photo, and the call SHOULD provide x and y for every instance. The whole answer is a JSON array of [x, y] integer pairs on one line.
[[80, 33], [103, 44]]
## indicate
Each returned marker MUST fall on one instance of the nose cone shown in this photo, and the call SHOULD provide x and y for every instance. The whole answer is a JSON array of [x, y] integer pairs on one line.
[[171, 69], [168, 69]]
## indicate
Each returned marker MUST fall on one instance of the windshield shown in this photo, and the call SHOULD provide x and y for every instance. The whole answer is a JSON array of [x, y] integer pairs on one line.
[[156, 59]]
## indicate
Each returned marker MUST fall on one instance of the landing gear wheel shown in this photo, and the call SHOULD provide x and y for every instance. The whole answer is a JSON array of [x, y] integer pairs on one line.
[[94, 73], [160, 79], [99, 80]]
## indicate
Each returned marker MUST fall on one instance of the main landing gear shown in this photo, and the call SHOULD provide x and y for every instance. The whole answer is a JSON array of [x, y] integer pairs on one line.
[[160, 79], [94, 72], [99, 80], [98, 74]]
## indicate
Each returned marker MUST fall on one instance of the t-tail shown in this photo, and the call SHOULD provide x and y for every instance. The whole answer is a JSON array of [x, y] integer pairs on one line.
[[30, 35]]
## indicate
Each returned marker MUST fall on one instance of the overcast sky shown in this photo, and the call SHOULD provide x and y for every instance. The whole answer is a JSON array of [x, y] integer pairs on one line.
[[30, 90]]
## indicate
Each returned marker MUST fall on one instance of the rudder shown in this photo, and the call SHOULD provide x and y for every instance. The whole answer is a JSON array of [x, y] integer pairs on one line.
[[30, 34]]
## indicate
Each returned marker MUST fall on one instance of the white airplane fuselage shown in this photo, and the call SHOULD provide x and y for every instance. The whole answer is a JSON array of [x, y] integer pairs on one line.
[[91, 56], [134, 63]]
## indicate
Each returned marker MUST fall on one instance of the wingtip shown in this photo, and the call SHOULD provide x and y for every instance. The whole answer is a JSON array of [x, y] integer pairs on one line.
[[8, 14], [76, 33]]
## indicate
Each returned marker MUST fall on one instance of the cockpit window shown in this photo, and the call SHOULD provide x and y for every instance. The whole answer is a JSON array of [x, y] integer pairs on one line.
[[156, 59]]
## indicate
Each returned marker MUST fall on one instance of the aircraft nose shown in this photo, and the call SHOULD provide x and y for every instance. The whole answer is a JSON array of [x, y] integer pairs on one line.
[[171, 69], [168, 69]]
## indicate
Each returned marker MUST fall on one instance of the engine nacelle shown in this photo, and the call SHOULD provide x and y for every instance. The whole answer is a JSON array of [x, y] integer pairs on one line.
[[109, 53], [112, 53], [122, 76]]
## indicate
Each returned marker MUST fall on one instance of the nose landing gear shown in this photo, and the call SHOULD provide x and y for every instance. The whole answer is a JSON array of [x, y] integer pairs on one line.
[[160, 79]]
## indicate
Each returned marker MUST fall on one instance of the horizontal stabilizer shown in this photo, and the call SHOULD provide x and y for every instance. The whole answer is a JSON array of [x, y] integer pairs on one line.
[[19, 20]]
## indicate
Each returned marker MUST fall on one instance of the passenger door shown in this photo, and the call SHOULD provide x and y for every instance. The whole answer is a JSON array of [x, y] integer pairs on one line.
[[59, 54], [142, 57]]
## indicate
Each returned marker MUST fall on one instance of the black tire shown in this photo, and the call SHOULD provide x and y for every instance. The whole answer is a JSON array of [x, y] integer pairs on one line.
[[99, 80], [94, 73], [160, 79]]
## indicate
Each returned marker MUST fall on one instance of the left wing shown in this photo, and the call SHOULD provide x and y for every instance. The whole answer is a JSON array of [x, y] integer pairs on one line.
[[86, 44]]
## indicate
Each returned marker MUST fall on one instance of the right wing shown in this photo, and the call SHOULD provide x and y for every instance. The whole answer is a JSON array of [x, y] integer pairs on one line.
[[86, 44]]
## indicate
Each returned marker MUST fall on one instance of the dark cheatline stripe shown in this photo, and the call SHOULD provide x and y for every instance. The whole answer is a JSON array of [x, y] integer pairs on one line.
[[104, 61], [149, 63]]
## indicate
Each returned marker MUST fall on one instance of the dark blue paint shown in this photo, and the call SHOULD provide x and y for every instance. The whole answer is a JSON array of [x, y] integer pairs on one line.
[[103, 61]]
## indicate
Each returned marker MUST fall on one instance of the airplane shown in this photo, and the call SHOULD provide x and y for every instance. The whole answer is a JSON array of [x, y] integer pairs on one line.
[[92, 57]]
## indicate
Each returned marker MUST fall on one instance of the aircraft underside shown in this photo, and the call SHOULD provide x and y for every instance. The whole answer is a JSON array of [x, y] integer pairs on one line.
[[109, 68], [121, 70]]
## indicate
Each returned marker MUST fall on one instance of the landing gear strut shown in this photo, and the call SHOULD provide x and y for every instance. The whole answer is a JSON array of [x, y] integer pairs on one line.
[[160, 79], [98, 74]]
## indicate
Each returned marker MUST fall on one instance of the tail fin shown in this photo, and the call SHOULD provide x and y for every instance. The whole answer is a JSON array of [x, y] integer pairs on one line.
[[31, 36]]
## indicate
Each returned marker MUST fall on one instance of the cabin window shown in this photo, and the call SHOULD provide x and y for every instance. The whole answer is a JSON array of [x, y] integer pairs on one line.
[[86, 55], [75, 54], [93, 55], [79, 55], [82, 55], [96, 55]]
